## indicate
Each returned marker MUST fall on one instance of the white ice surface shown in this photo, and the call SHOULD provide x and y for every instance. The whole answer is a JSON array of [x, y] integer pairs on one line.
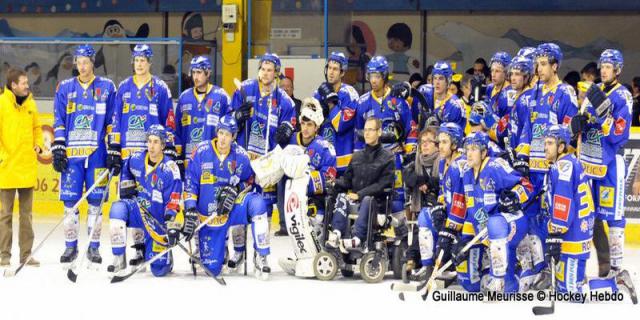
[[46, 293]]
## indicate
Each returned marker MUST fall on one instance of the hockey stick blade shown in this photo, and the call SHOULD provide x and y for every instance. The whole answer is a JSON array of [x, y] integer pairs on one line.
[[72, 276], [541, 310]]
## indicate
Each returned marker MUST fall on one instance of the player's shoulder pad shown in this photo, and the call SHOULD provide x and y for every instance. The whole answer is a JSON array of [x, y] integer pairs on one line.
[[499, 163], [324, 144], [364, 97], [220, 91], [139, 155], [349, 90], [565, 169], [170, 167], [160, 83], [425, 89], [285, 96], [623, 93], [65, 83], [106, 80], [185, 93], [249, 82], [239, 149]]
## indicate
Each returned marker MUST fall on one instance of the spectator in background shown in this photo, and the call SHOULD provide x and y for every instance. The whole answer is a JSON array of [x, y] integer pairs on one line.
[[465, 95], [635, 92], [590, 73], [35, 80], [428, 77], [416, 81], [20, 143], [454, 86], [286, 84], [572, 78], [480, 68]]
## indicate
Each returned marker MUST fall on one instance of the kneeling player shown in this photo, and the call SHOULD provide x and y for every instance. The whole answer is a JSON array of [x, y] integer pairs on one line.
[[150, 190], [218, 169], [570, 225]]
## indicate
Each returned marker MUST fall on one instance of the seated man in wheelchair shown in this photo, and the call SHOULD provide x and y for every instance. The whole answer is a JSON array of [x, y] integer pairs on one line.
[[369, 176]]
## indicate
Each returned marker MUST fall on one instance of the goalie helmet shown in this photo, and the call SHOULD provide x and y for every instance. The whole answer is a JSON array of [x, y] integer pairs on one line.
[[311, 110]]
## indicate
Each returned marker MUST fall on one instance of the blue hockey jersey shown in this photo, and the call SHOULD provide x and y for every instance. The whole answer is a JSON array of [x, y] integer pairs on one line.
[[498, 100], [159, 186], [569, 202], [603, 138], [322, 162], [551, 105], [137, 107], [197, 116], [270, 109], [339, 130], [82, 115], [517, 134], [208, 171], [451, 193]]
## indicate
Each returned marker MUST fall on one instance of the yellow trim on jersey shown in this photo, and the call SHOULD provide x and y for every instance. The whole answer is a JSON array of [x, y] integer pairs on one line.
[[201, 97], [594, 170], [148, 170], [343, 161], [139, 85], [87, 84], [387, 91], [335, 122], [576, 247]]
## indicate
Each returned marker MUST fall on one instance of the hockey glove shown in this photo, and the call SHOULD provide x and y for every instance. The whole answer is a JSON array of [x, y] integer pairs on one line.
[[170, 151], [578, 123], [446, 239], [226, 199], [554, 246], [508, 202], [599, 101], [243, 113], [190, 223], [401, 90], [114, 160], [59, 151], [173, 230], [128, 189], [521, 166], [438, 217], [284, 133], [457, 255], [327, 94]]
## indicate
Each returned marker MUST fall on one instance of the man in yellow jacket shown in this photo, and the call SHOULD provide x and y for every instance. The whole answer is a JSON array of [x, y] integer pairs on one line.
[[20, 142]]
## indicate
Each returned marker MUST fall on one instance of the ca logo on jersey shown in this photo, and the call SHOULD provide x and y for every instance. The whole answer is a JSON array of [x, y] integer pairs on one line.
[[196, 134], [137, 122], [83, 122]]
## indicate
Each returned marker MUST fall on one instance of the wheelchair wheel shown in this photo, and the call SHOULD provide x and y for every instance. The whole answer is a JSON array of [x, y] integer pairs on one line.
[[373, 267], [397, 257], [325, 266]]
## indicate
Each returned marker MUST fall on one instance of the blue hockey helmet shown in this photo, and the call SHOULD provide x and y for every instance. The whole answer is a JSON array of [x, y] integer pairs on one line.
[[228, 122], [273, 58], [453, 130], [551, 51], [159, 131], [502, 58], [142, 50], [522, 64], [378, 64], [479, 138], [442, 68], [559, 132], [85, 50], [200, 63], [528, 52], [340, 58], [613, 57]]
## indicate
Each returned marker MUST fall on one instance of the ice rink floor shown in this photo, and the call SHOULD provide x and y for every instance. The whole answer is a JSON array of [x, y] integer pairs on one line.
[[46, 293]]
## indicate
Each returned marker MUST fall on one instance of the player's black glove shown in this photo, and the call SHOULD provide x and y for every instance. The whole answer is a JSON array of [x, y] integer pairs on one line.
[[284, 133], [599, 101], [554, 244], [578, 123], [457, 255], [226, 199], [173, 230], [170, 151], [508, 202], [59, 151], [114, 160], [327, 94], [393, 133], [128, 189], [190, 223], [401, 90], [438, 217], [446, 238], [521, 166], [243, 113]]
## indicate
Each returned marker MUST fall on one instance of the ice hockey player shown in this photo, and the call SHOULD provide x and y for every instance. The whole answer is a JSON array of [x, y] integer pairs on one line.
[[219, 170], [604, 128], [493, 195], [450, 212], [447, 107], [199, 110], [395, 114], [142, 100], [149, 182], [339, 102], [570, 206], [266, 117], [497, 90], [322, 170], [83, 107], [554, 103]]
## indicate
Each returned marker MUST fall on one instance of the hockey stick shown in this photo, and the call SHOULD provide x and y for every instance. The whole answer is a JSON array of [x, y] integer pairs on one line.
[[141, 266], [542, 310], [71, 275], [11, 273], [194, 260], [243, 94], [193, 264]]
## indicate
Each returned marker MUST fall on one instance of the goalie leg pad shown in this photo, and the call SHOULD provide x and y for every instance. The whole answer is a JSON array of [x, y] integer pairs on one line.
[[304, 241], [426, 237]]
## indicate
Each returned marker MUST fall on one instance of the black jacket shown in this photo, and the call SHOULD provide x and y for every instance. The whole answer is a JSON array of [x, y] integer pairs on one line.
[[370, 172]]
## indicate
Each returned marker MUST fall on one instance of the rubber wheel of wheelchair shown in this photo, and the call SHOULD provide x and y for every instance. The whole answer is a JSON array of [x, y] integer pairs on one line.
[[396, 261], [325, 266], [372, 273], [347, 273]]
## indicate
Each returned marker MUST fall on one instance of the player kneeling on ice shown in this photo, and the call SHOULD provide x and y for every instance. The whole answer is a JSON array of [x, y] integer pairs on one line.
[[493, 195], [218, 170], [571, 217], [149, 182], [304, 204]]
